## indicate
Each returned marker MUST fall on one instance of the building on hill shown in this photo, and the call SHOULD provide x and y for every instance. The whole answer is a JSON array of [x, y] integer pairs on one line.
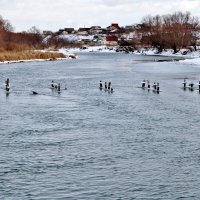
[[83, 31], [129, 28], [111, 40], [69, 30], [113, 26], [66, 31], [60, 31], [98, 39], [114, 29], [47, 33], [95, 30]]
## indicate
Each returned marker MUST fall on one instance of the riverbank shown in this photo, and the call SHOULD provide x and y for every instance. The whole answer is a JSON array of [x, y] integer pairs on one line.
[[143, 51], [27, 56], [194, 61]]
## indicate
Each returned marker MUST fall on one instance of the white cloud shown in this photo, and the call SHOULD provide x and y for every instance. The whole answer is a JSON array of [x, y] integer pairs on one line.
[[52, 15]]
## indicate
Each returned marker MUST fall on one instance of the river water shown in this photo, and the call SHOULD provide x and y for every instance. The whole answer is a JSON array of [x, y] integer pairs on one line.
[[90, 144]]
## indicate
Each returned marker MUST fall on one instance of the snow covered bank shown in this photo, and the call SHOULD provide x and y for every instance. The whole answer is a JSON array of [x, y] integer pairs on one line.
[[194, 61], [183, 53], [31, 60], [103, 49], [191, 58], [67, 54], [142, 51]]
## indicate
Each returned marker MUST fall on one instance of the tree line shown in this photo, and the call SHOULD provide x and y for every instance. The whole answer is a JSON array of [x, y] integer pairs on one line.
[[10, 40], [172, 31], [26, 40]]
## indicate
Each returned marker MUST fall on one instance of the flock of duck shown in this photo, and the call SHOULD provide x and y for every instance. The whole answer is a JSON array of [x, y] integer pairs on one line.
[[53, 85], [57, 86], [191, 85], [145, 84], [107, 87]]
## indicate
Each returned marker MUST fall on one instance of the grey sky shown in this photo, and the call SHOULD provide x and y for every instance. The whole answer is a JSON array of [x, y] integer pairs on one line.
[[55, 14]]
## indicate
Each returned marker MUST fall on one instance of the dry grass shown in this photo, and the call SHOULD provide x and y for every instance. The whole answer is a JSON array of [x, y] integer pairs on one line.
[[28, 55]]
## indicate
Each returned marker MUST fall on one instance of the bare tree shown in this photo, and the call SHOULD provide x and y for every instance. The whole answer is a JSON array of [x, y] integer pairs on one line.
[[34, 30], [176, 31]]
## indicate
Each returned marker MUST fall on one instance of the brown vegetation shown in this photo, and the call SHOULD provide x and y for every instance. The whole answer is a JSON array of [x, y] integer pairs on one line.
[[174, 31], [17, 46], [28, 55]]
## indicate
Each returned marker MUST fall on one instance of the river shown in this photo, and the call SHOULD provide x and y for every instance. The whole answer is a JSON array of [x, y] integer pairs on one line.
[[89, 144]]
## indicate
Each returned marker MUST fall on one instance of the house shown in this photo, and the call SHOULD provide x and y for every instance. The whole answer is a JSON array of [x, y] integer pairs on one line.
[[113, 27], [111, 40], [66, 31], [69, 30], [98, 39], [60, 31], [86, 41], [47, 32], [83, 31], [95, 30], [129, 27]]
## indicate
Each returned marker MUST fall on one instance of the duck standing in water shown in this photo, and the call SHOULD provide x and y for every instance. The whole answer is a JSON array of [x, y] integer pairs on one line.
[[52, 84], [143, 83], [109, 85], [100, 85], [111, 90], [105, 85], [148, 84], [158, 88], [191, 85], [58, 87], [154, 86], [7, 85], [184, 83]]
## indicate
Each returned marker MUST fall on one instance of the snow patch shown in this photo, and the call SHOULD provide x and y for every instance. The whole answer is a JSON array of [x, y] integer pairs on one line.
[[194, 61], [103, 49]]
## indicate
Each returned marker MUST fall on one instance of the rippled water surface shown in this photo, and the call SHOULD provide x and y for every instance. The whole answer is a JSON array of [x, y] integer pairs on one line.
[[90, 144]]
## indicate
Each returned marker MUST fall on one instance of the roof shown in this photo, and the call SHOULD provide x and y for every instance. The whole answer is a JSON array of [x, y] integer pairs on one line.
[[68, 29], [83, 29]]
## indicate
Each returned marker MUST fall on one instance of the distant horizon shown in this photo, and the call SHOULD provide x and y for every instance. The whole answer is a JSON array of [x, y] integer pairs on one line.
[[49, 15]]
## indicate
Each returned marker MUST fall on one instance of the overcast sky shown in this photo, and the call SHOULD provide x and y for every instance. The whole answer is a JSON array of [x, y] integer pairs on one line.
[[56, 14]]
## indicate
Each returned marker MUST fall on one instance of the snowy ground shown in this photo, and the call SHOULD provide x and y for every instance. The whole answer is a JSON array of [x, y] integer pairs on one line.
[[76, 38], [104, 49], [32, 60], [192, 58], [194, 61]]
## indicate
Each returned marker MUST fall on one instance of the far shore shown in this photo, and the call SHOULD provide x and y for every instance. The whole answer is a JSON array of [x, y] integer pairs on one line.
[[185, 56], [142, 51]]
